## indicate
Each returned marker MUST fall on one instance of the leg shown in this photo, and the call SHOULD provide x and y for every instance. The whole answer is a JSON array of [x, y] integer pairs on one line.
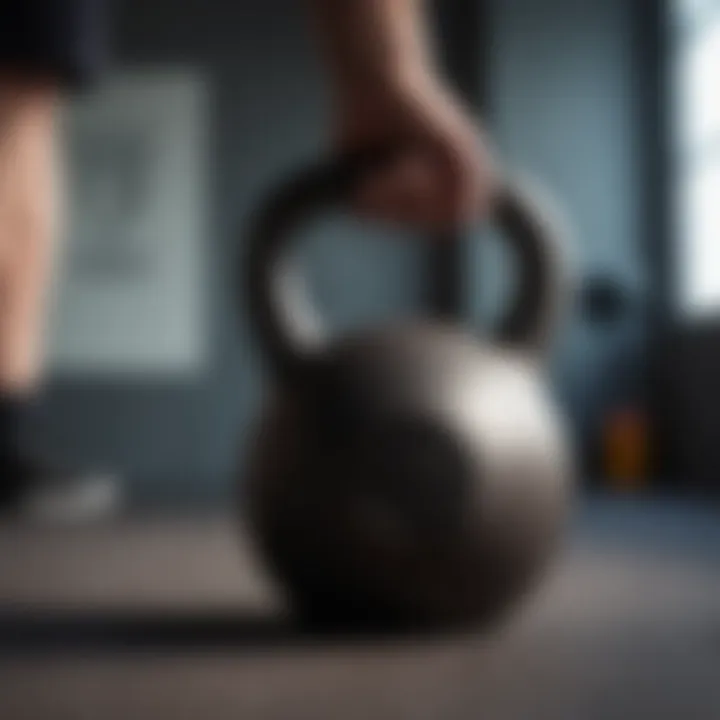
[[27, 214], [43, 50]]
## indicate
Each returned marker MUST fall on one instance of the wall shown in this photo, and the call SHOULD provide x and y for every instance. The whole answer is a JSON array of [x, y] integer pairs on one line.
[[564, 109]]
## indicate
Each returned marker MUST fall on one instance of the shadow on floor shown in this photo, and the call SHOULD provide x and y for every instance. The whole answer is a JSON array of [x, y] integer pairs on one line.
[[79, 631]]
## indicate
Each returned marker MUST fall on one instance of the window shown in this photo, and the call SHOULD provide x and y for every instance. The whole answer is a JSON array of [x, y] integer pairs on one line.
[[697, 153]]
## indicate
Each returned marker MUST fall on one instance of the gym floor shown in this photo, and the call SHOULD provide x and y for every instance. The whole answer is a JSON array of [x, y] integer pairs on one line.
[[171, 618]]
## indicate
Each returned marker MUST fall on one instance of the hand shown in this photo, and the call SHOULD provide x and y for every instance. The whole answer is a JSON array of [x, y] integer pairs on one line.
[[445, 180]]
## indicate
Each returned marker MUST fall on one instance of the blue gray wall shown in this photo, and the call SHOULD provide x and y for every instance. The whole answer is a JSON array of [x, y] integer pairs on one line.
[[565, 109], [562, 108]]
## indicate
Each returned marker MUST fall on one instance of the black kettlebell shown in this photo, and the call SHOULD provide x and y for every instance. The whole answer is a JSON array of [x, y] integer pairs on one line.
[[412, 474]]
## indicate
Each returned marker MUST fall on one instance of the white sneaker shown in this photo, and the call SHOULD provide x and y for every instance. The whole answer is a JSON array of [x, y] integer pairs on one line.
[[39, 493]]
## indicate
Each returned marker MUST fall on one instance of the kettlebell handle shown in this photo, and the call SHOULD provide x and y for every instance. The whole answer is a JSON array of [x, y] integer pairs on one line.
[[275, 302]]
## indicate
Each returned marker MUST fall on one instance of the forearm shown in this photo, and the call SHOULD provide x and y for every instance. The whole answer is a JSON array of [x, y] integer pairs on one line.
[[370, 43]]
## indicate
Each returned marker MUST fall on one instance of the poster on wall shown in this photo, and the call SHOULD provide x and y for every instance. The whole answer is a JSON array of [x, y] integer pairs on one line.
[[131, 285]]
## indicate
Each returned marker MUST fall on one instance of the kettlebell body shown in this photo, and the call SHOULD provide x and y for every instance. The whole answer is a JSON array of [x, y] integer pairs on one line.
[[411, 474]]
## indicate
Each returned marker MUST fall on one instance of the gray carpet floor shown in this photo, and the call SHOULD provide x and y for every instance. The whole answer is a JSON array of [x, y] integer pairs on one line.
[[171, 618]]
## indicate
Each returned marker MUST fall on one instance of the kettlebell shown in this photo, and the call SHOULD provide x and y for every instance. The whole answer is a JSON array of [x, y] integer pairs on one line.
[[414, 474]]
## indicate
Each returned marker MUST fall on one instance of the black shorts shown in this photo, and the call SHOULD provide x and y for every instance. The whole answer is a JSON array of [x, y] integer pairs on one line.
[[62, 39]]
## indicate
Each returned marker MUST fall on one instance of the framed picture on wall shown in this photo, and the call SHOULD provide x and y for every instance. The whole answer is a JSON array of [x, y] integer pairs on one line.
[[131, 287]]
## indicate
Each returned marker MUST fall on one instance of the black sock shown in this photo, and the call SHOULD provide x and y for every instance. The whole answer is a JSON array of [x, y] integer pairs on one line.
[[13, 410]]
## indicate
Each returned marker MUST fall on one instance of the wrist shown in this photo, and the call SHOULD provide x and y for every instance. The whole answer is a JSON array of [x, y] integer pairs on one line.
[[365, 90]]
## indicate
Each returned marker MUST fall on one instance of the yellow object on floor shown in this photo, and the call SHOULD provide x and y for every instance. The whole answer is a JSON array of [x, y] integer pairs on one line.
[[626, 449]]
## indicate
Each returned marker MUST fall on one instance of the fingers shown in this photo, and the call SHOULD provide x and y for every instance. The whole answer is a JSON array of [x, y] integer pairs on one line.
[[446, 183], [459, 186], [488, 178], [404, 193]]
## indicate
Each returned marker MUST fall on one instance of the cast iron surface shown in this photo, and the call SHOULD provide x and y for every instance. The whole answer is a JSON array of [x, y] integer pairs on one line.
[[410, 473]]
